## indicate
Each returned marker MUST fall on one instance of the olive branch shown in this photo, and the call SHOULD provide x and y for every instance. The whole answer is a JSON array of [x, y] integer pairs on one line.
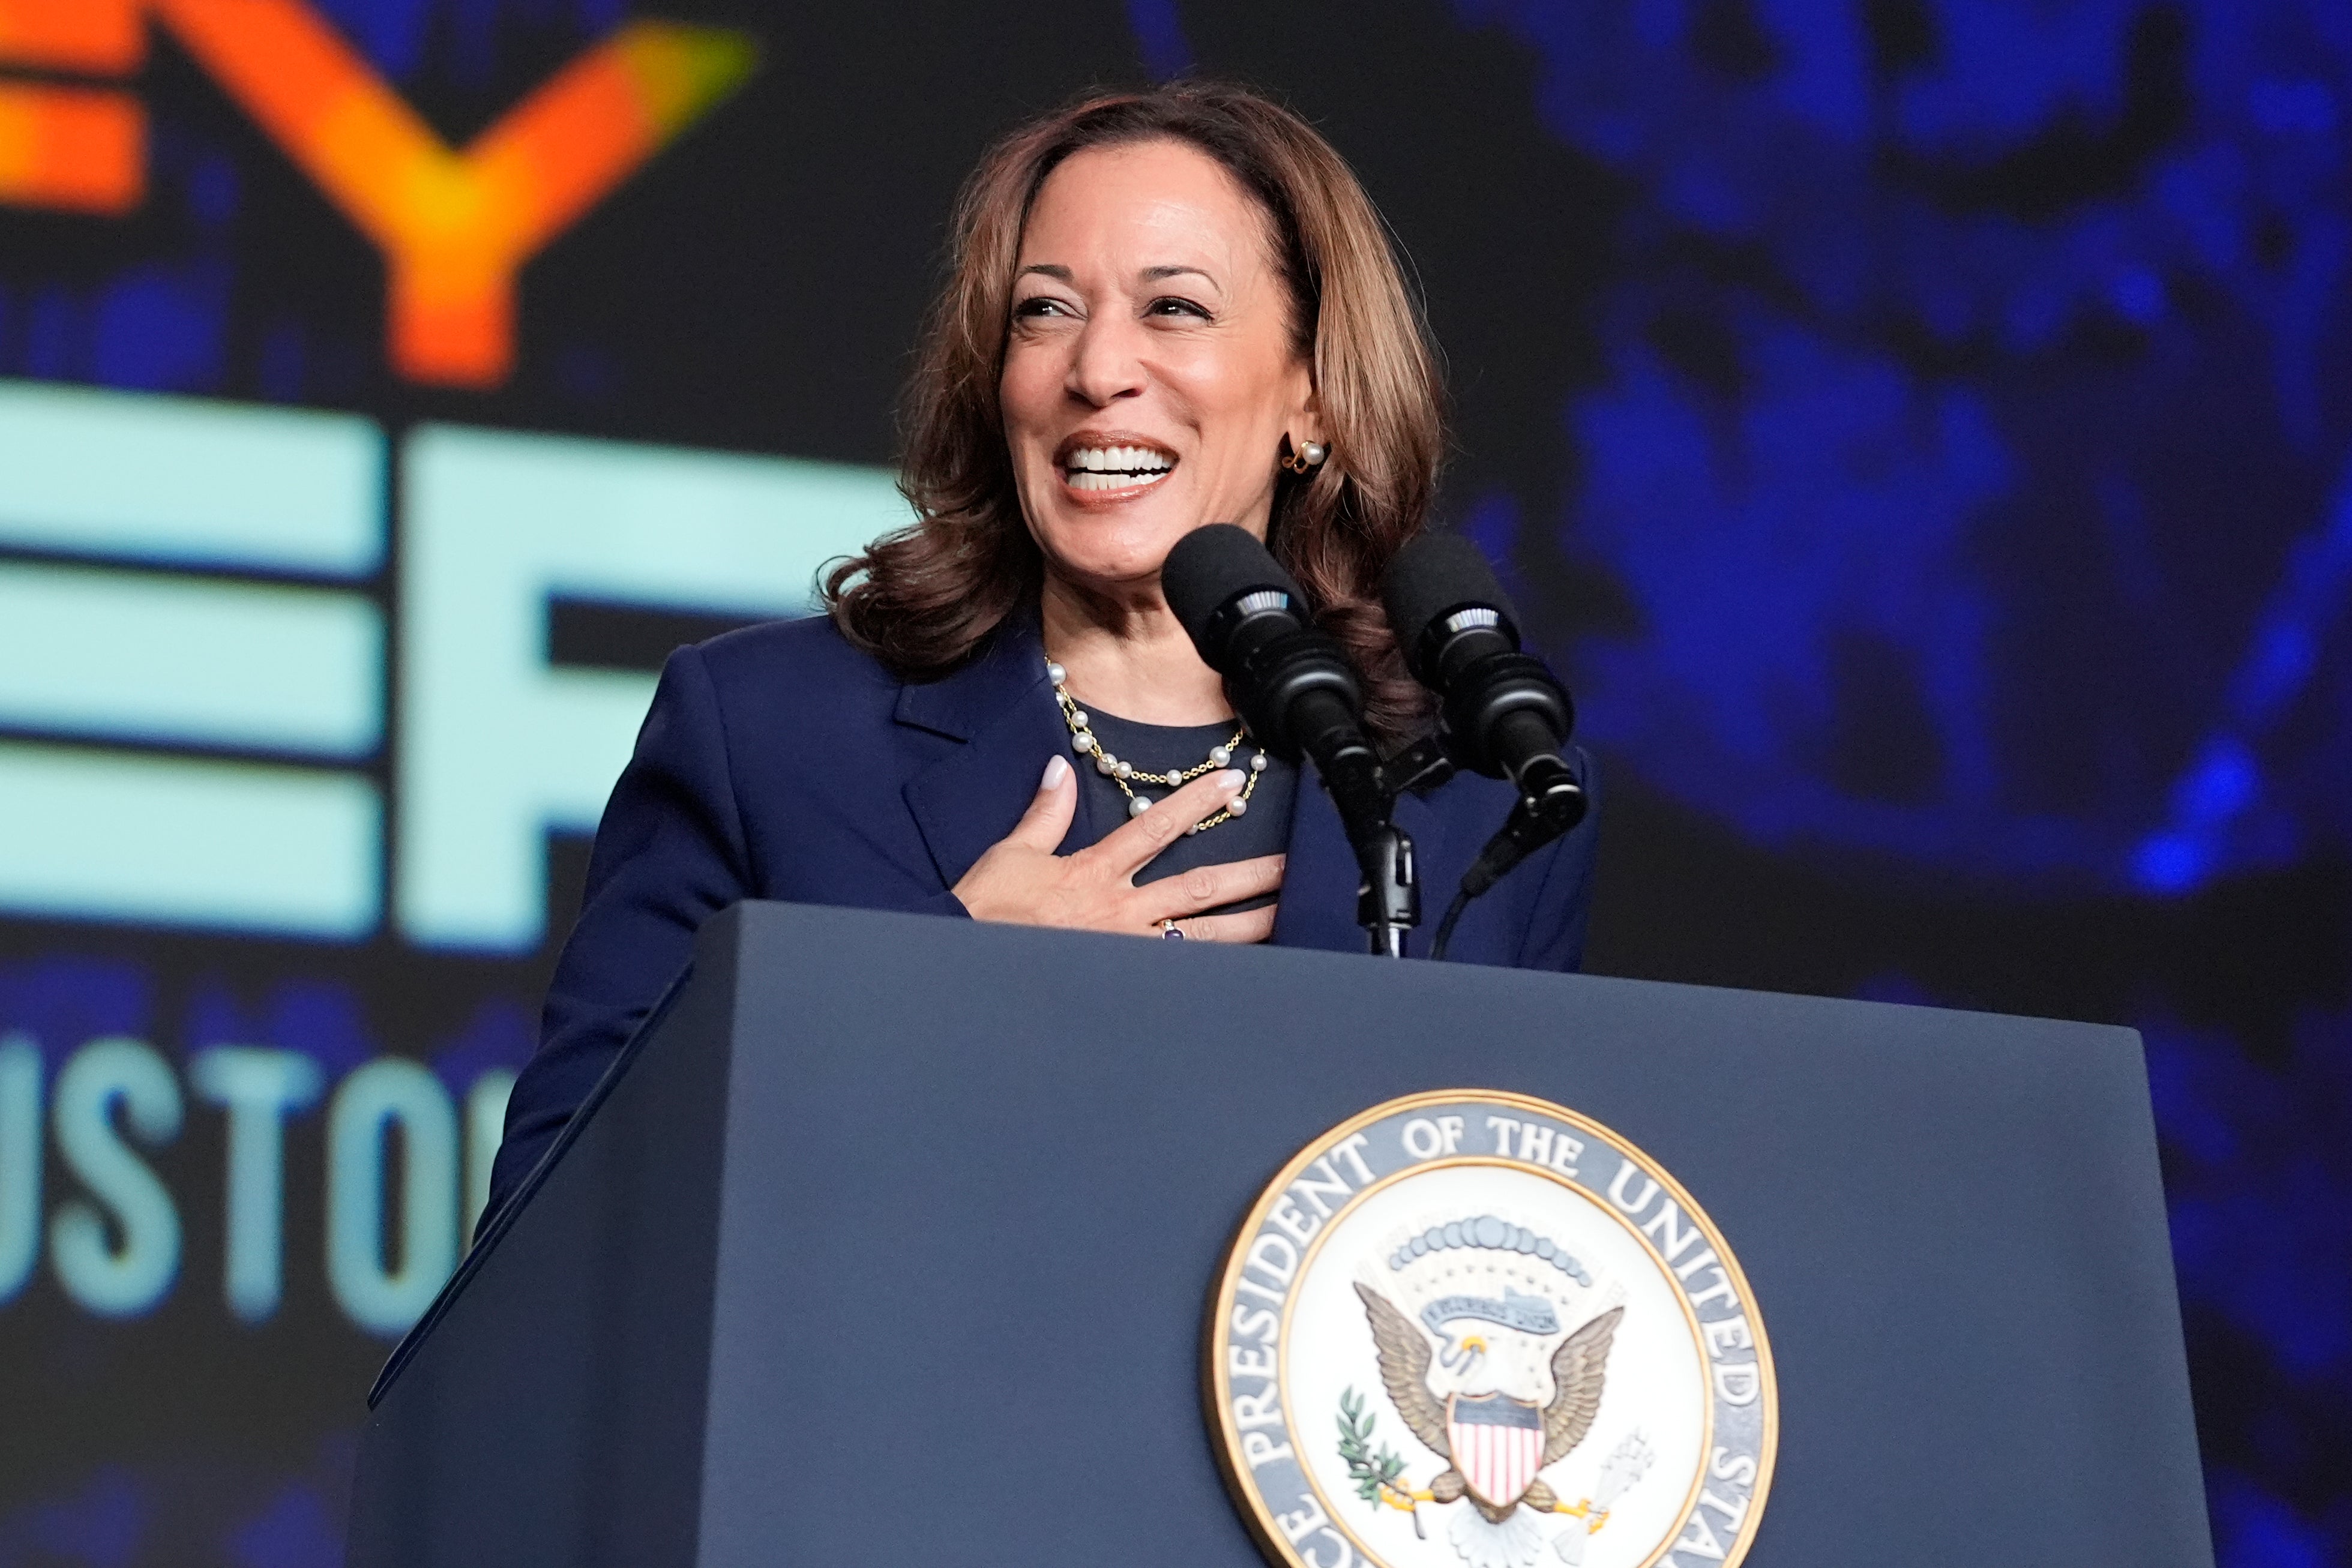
[[1369, 1470]]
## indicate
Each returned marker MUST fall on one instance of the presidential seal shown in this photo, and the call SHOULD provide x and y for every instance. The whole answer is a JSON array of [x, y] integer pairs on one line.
[[1473, 1329]]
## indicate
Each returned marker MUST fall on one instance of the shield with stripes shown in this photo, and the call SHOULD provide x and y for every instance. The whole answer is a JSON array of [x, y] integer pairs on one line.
[[1497, 1444]]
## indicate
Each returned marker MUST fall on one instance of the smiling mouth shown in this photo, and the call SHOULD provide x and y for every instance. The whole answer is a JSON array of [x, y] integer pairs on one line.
[[1115, 467]]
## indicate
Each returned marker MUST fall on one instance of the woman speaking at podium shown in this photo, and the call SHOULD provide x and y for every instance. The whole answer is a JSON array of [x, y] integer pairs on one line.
[[1165, 309]]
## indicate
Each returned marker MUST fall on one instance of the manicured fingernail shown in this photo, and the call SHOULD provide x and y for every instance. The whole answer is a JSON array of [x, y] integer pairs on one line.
[[1056, 771], [1227, 782]]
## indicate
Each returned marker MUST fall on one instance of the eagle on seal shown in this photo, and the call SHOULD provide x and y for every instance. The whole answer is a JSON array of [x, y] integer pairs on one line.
[[1579, 1368]]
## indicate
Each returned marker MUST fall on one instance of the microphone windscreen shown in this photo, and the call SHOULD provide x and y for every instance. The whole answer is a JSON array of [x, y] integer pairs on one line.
[[1434, 576], [1210, 568]]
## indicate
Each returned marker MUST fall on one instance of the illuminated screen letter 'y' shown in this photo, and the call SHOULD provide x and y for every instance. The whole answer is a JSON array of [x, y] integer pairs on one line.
[[456, 228]]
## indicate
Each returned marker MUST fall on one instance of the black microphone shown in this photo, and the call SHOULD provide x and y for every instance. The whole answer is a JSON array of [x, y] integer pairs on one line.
[[1291, 684], [1300, 696], [1501, 711]]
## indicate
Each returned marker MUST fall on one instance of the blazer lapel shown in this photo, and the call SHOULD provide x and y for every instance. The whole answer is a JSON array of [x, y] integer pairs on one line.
[[1001, 706], [1317, 908]]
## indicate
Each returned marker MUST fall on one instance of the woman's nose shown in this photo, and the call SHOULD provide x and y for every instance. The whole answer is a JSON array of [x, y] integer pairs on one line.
[[1107, 363]]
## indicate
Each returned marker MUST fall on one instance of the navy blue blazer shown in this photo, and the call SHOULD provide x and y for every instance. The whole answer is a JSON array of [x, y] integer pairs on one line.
[[780, 762]]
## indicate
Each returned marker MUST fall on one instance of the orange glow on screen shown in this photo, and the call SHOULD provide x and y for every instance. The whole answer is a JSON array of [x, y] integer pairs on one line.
[[70, 148], [100, 37]]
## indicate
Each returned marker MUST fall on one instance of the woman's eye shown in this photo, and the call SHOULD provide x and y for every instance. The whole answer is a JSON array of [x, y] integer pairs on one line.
[[1171, 304], [1040, 305]]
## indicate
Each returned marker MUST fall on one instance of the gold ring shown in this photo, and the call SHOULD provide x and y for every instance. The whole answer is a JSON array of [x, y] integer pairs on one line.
[[1170, 932]]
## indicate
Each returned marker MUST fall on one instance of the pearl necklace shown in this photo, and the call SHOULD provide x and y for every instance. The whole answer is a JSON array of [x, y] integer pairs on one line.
[[1126, 774]]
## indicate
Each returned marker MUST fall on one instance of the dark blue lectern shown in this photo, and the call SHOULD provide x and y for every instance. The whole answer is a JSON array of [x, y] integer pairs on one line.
[[888, 1243]]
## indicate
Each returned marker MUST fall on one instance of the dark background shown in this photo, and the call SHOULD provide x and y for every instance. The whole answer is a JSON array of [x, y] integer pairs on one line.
[[1919, 429]]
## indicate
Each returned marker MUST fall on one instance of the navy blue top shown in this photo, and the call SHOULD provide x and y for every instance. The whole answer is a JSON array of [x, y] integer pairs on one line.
[[780, 762]]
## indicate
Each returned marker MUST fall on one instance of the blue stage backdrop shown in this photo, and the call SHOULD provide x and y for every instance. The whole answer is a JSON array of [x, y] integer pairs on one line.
[[1921, 428]]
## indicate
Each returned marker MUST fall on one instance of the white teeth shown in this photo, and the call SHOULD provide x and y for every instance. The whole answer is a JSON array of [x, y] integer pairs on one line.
[[1081, 480], [1118, 460]]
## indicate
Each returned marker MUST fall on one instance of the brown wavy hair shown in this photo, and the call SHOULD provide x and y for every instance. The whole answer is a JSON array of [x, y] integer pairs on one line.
[[922, 598]]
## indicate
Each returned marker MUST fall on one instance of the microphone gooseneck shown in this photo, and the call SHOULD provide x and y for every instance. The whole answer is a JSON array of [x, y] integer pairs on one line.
[[1300, 697], [1501, 711]]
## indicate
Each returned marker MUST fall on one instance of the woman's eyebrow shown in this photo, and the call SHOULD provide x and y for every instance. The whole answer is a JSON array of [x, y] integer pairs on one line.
[[1149, 274]]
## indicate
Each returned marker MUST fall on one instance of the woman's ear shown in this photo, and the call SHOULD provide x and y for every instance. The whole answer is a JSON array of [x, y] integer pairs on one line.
[[1305, 425], [1302, 422]]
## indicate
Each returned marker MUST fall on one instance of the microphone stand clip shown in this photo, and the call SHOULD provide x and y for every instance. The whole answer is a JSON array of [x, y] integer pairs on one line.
[[1388, 892]]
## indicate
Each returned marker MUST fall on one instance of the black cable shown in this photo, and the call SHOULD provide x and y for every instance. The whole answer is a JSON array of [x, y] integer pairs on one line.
[[1535, 821], [1445, 926]]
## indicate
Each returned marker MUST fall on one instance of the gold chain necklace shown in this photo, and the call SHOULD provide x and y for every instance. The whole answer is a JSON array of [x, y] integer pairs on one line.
[[1126, 775]]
